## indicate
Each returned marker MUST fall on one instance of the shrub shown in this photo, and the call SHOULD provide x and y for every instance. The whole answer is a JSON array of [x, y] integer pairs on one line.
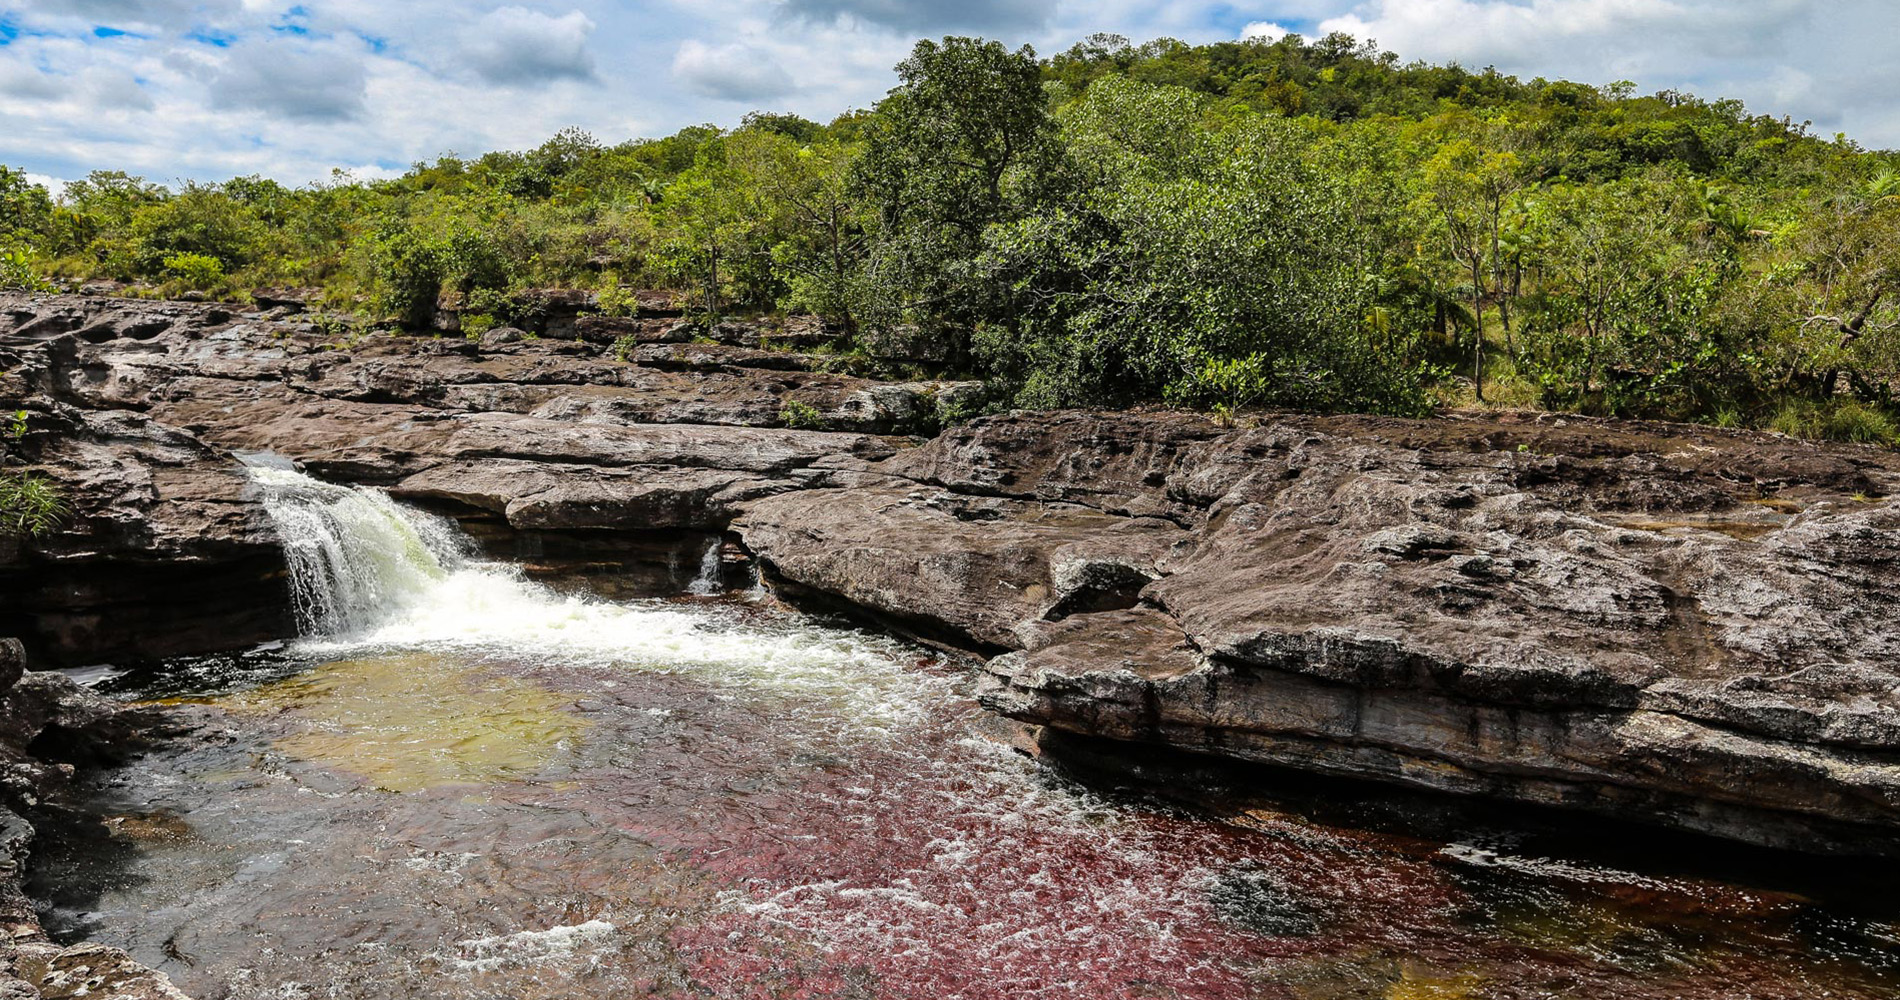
[[476, 324], [803, 415], [614, 299], [408, 268], [17, 270], [197, 271], [29, 505], [1850, 421], [1858, 422]]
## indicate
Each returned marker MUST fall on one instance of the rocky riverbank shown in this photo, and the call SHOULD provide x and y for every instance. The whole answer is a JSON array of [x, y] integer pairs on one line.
[[48, 726], [1668, 624]]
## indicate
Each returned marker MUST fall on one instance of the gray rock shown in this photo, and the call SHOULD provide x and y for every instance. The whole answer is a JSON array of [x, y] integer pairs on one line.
[[12, 663], [502, 335], [1680, 625]]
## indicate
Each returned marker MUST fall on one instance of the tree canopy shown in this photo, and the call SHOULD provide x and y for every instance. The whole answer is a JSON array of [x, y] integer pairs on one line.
[[1301, 223]]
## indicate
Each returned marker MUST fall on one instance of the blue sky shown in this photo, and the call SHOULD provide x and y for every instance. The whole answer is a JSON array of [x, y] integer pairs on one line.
[[208, 89]]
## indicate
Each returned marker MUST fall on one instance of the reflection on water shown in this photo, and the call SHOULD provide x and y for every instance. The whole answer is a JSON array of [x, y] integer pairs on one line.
[[469, 787], [410, 721]]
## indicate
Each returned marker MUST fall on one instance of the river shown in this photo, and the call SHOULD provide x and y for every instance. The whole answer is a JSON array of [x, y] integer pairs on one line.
[[459, 784]]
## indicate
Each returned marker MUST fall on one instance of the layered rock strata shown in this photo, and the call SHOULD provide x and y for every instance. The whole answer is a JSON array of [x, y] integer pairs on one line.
[[1672, 624]]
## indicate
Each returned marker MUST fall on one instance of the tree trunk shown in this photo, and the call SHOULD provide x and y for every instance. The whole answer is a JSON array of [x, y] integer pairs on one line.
[[1477, 321]]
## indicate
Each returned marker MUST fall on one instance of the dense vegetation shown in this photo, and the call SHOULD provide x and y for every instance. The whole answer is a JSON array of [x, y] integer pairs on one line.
[[1304, 224]]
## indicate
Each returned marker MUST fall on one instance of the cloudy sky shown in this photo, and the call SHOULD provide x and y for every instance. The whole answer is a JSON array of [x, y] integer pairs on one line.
[[208, 89]]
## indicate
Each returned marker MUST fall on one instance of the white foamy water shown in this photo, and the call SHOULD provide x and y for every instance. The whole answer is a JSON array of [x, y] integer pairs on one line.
[[532, 947], [371, 575], [354, 554]]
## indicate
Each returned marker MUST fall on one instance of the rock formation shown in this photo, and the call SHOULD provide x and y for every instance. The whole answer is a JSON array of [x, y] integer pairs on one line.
[[1670, 624]]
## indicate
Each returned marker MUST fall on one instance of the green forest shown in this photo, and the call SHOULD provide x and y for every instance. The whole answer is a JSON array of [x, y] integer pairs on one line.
[[1240, 226]]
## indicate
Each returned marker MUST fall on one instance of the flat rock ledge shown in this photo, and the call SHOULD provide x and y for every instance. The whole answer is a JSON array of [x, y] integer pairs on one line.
[[1675, 625]]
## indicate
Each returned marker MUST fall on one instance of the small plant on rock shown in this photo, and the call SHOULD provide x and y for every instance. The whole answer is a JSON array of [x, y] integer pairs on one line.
[[614, 299], [801, 415], [29, 505], [476, 324]]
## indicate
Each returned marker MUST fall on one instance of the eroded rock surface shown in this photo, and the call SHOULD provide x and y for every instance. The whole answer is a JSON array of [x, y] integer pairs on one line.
[[1673, 624], [1662, 623], [552, 451]]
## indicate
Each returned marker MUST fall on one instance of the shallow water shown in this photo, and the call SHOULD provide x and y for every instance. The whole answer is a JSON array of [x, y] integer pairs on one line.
[[485, 790]]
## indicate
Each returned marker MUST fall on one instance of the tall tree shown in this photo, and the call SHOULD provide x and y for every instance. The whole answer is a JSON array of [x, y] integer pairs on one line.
[[964, 141]]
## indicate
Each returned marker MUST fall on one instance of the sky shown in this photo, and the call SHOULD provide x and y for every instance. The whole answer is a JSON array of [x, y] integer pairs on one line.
[[210, 89]]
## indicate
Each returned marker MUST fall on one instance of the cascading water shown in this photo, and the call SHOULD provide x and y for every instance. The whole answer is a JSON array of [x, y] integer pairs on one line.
[[709, 583], [371, 575], [355, 557]]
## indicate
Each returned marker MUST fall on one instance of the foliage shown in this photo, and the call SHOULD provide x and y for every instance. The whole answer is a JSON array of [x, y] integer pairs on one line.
[[195, 270], [17, 270], [474, 324], [1304, 223], [30, 505], [801, 415], [964, 142], [1205, 264], [1847, 420], [614, 299]]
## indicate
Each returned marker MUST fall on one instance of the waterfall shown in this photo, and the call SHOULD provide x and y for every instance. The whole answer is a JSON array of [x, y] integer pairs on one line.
[[355, 556], [372, 577], [710, 581]]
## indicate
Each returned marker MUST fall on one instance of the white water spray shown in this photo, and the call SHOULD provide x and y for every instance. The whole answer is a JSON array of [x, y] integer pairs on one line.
[[373, 576], [354, 555]]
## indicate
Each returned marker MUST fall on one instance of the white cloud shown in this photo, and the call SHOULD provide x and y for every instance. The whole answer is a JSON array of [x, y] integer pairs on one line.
[[1263, 31], [515, 45], [117, 90], [374, 172], [25, 83], [1826, 62], [735, 72], [287, 79], [153, 13], [1620, 36], [377, 84], [928, 16]]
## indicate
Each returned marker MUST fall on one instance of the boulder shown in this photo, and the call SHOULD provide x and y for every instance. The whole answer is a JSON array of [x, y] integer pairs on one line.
[[502, 335]]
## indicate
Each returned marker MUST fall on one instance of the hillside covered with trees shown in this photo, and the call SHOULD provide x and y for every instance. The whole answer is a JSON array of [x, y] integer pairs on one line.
[[1304, 224]]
